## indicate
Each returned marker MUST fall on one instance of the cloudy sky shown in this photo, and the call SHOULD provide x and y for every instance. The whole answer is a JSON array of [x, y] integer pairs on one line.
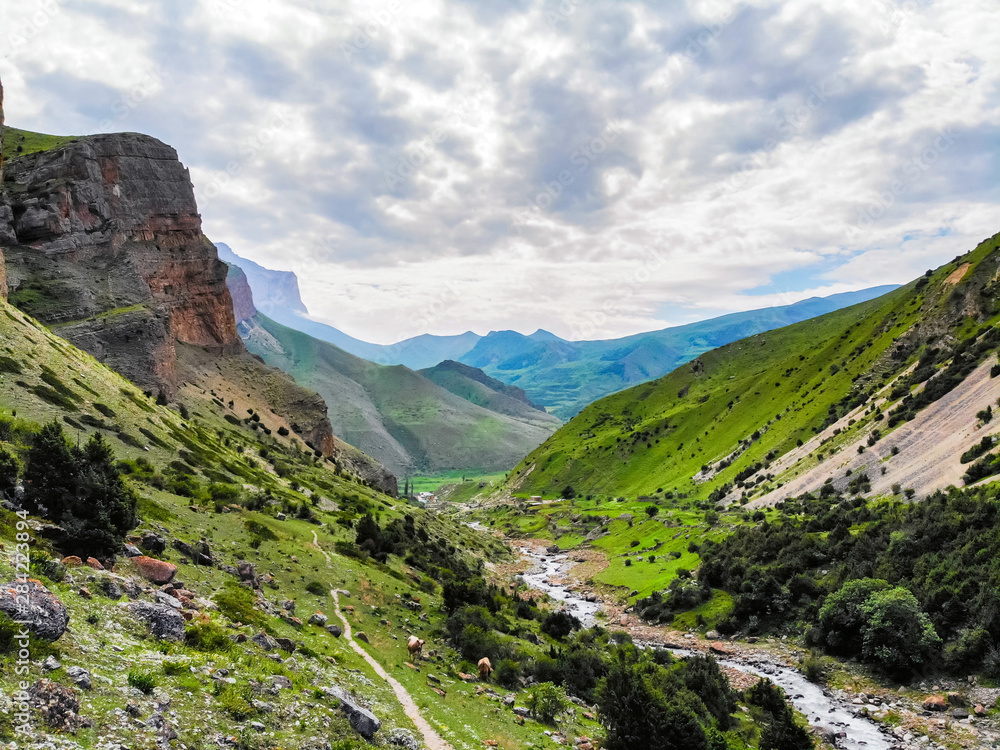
[[593, 167]]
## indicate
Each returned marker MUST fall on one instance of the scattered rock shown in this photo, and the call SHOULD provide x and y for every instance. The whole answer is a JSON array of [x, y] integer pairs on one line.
[[281, 682], [552, 549], [132, 551], [163, 621], [80, 677], [402, 738], [363, 721], [51, 664], [265, 641], [94, 563], [85, 592], [960, 713], [286, 644], [155, 571], [45, 615], [154, 543], [361, 636], [935, 703], [334, 630], [58, 706], [248, 574], [713, 635], [520, 710], [72, 561], [509, 700], [171, 601], [318, 618]]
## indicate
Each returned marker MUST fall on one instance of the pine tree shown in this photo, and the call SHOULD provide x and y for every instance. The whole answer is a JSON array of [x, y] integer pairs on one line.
[[50, 474]]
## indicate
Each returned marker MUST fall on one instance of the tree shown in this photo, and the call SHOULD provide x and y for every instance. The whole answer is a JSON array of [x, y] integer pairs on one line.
[[560, 624], [568, 492], [842, 620], [9, 469], [897, 635], [642, 708], [652, 510], [50, 474], [81, 490], [779, 731], [545, 701]]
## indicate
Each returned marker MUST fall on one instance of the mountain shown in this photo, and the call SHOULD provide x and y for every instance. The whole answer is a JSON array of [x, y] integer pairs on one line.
[[562, 376], [565, 376], [407, 421], [277, 296], [476, 386], [878, 397], [102, 242]]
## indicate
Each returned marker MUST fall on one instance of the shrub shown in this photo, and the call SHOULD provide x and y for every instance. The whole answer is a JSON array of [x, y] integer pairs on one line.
[[316, 588], [560, 624], [9, 470], [546, 701], [144, 682], [237, 603], [897, 634], [207, 636]]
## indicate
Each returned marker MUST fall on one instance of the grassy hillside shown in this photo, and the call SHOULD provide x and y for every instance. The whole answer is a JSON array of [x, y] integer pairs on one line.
[[476, 386], [21, 142], [406, 421], [566, 376], [711, 429]]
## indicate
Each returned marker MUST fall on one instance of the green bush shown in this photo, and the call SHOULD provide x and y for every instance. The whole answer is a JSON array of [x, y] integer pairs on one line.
[[144, 682], [237, 603], [546, 702], [316, 588], [207, 636]]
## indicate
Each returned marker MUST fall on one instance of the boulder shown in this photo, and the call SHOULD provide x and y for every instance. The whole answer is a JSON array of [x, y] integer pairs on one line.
[[155, 571], [72, 561], [58, 706], [402, 738], [162, 620], [334, 630], [265, 641], [286, 644], [44, 615], [713, 635], [248, 574], [935, 703], [362, 636], [94, 563], [960, 713], [51, 664], [318, 618], [80, 677], [132, 551], [171, 601], [154, 543], [363, 721]]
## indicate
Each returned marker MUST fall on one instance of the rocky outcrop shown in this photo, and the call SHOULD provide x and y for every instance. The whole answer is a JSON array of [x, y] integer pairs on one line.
[[30, 603], [109, 249], [276, 290], [239, 289], [162, 620]]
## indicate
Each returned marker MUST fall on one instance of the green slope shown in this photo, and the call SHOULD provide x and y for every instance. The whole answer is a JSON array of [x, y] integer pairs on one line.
[[737, 408], [393, 414], [474, 385]]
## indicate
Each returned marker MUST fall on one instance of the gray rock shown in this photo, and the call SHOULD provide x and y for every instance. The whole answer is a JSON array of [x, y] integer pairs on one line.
[[80, 677], [171, 601], [44, 615], [318, 618], [402, 738], [520, 710], [265, 641], [281, 682], [163, 621], [960, 713], [132, 551], [257, 726], [363, 721], [51, 664], [334, 630], [509, 700], [154, 543]]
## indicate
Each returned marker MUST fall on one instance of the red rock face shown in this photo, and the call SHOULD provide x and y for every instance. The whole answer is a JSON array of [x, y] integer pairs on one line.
[[111, 225]]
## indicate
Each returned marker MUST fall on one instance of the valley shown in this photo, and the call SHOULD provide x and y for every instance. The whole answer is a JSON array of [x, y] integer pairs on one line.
[[226, 525]]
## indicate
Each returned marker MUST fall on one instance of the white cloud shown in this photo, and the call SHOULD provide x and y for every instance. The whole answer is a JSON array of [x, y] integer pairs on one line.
[[442, 165]]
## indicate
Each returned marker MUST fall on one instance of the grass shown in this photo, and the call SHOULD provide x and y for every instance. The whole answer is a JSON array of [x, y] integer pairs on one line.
[[23, 142], [746, 403]]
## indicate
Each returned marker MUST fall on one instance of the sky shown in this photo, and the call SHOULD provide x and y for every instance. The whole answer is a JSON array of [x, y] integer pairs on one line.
[[595, 168]]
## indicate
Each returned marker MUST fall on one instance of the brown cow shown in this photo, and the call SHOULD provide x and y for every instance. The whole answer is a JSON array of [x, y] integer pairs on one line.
[[485, 668], [415, 646]]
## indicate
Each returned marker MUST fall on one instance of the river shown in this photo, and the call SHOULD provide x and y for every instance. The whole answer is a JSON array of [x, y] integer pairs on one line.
[[824, 711]]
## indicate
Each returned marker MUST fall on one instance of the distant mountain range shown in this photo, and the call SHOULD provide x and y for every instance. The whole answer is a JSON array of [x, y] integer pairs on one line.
[[561, 376], [448, 417]]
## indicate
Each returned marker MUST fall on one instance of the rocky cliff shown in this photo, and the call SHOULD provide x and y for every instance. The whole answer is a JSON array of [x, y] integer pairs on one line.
[[6, 215], [273, 290], [108, 249], [239, 288]]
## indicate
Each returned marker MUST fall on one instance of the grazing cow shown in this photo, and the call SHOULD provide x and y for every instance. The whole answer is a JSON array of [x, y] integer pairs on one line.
[[485, 668], [415, 646]]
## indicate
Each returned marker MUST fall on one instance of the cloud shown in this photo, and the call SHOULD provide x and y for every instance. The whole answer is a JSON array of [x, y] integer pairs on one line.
[[593, 168]]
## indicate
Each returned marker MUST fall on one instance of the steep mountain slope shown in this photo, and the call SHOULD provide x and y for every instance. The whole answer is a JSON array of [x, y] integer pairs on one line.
[[400, 417], [102, 241], [476, 386], [562, 376], [842, 390], [565, 376]]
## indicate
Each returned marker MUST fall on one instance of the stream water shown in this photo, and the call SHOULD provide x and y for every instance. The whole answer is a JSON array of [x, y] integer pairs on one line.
[[823, 710]]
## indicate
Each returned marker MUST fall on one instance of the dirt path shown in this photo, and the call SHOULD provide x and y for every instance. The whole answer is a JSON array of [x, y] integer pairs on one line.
[[432, 739]]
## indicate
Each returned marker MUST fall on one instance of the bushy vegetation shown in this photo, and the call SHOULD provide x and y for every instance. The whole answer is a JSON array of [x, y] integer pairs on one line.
[[81, 490], [903, 586]]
